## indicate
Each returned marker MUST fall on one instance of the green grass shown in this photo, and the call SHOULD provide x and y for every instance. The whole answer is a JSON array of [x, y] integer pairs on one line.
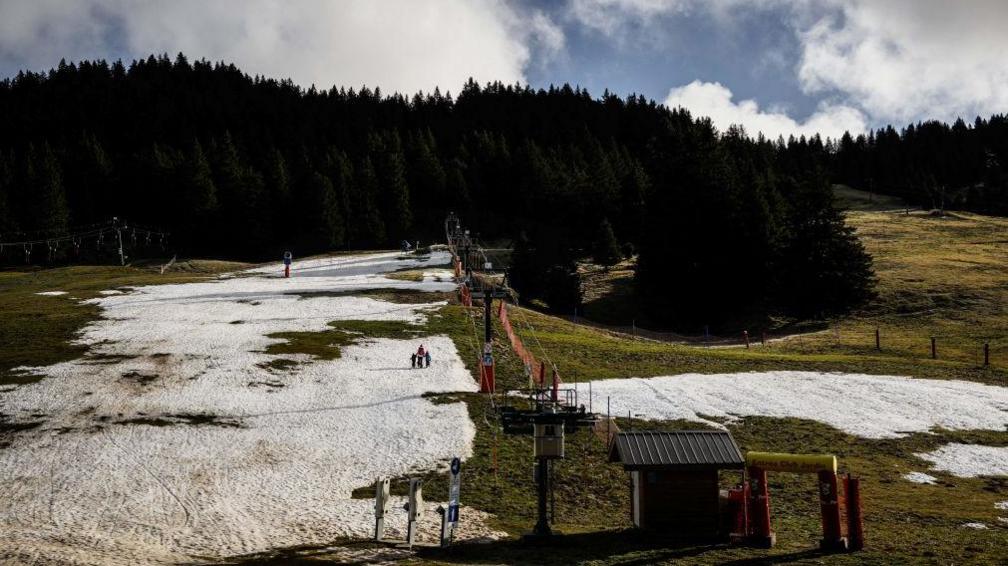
[[848, 198]]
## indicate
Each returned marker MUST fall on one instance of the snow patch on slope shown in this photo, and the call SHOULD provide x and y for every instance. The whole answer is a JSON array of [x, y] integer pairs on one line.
[[969, 460], [869, 406], [920, 477]]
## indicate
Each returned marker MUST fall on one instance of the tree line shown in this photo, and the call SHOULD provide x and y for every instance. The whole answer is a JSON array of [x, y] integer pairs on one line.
[[246, 167], [931, 164]]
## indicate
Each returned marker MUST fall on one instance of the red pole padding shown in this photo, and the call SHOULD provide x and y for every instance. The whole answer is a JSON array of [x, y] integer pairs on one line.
[[556, 385], [486, 378], [738, 499], [286, 271], [855, 523], [829, 504], [759, 509], [542, 373]]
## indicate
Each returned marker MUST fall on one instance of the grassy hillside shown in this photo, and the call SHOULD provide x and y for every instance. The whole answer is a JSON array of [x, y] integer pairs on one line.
[[942, 276]]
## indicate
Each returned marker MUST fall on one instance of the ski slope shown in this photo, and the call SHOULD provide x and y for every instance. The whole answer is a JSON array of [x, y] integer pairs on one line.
[[172, 441], [870, 406]]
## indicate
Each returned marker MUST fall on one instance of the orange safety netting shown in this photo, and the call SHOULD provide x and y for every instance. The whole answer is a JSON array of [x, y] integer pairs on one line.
[[533, 367]]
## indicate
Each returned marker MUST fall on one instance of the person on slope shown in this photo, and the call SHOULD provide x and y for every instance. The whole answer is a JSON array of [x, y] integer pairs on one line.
[[427, 357], [413, 358], [420, 355]]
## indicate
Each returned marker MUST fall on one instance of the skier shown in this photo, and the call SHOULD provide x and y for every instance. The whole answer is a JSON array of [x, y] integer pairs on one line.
[[420, 355], [288, 257], [427, 357], [413, 358]]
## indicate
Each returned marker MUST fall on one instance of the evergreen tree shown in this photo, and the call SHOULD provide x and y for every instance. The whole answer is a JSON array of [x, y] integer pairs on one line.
[[43, 189], [198, 199], [370, 228], [606, 250], [394, 189], [7, 214], [324, 215]]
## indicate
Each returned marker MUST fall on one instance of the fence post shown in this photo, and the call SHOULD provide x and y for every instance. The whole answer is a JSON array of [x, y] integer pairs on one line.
[[878, 342], [986, 354], [934, 351], [745, 334]]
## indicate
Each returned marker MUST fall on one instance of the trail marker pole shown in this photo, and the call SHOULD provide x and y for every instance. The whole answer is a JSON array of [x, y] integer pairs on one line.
[[381, 507], [745, 335], [763, 338], [878, 341], [118, 229], [986, 354], [415, 509], [934, 350]]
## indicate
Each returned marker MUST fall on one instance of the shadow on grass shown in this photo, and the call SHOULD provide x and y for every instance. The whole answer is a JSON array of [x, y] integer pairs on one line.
[[625, 547]]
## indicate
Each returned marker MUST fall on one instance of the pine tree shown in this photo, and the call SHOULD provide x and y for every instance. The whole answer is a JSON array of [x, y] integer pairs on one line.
[[7, 214], [199, 194], [393, 187], [325, 217], [43, 184], [370, 226], [606, 249], [278, 183]]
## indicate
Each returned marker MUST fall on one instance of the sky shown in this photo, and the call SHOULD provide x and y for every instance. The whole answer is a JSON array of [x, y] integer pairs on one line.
[[778, 67]]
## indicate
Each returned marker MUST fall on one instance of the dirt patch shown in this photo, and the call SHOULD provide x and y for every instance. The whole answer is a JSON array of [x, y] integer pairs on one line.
[[271, 384], [279, 364], [193, 419], [139, 378]]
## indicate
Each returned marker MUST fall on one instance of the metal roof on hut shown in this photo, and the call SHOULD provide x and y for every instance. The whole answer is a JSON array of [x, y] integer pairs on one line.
[[676, 450]]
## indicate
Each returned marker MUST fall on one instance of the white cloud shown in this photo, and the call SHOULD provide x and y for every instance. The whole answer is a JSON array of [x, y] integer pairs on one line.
[[896, 61], [905, 60], [402, 45], [715, 101]]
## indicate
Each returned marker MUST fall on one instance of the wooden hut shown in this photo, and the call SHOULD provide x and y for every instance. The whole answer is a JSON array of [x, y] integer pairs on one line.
[[674, 479]]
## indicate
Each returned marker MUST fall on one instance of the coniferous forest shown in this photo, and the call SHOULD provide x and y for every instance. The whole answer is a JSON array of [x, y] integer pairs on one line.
[[245, 167]]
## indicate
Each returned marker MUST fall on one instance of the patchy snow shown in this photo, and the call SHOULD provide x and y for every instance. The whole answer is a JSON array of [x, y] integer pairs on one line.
[[172, 439], [1002, 505], [969, 460], [51, 293], [920, 477], [978, 526], [870, 406]]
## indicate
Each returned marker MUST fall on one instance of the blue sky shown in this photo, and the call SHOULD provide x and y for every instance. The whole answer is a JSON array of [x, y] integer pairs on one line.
[[775, 66]]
